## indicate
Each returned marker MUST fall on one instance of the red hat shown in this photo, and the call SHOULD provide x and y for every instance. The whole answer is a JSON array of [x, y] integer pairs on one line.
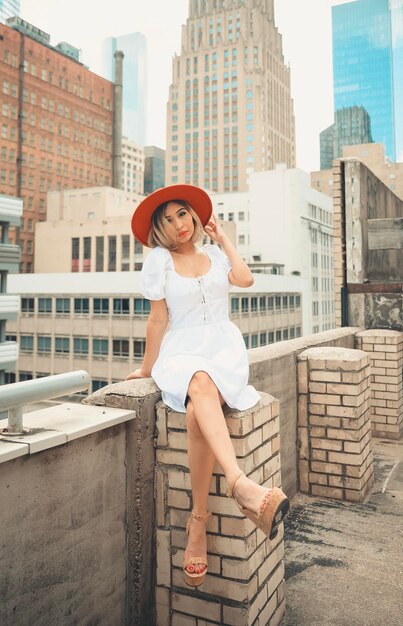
[[197, 198]]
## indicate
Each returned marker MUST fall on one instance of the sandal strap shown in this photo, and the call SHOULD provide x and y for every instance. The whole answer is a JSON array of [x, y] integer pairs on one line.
[[201, 517], [232, 485]]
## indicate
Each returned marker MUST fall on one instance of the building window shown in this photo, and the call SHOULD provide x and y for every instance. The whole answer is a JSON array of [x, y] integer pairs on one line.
[[99, 254], [121, 306], [278, 302], [263, 339], [101, 306], [98, 384], [44, 305], [75, 254], [270, 302], [26, 343], [25, 376], [254, 338], [253, 304], [87, 255], [80, 345], [245, 305], [139, 346], [62, 345], [262, 303], [112, 254], [246, 340], [120, 347], [125, 253], [100, 347], [63, 305], [234, 306], [141, 307], [44, 344], [278, 335], [271, 338], [27, 305], [81, 306]]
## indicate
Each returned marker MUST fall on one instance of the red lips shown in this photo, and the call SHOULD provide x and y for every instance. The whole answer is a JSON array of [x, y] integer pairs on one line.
[[183, 233]]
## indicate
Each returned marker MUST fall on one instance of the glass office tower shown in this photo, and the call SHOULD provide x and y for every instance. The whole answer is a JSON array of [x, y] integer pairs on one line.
[[134, 48], [9, 8], [368, 66]]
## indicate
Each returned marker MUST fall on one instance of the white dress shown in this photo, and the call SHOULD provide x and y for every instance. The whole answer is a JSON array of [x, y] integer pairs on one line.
[[200, 334]]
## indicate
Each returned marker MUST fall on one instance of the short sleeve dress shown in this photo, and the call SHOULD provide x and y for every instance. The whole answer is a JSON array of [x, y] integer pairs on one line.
[[200, 334]]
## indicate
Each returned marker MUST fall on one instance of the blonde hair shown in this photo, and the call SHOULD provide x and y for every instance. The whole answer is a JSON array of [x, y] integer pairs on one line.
[[158, 235]]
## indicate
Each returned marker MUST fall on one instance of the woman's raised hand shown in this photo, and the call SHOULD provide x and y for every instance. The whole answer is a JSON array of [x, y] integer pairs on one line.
[[137, 374], [214, 230]]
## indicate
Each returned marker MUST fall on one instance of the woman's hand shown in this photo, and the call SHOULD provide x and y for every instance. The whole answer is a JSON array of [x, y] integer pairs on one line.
[[137, 374], [214, 230]]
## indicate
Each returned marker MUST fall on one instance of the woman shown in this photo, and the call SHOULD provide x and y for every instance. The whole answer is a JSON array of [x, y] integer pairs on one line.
[[201, 362]]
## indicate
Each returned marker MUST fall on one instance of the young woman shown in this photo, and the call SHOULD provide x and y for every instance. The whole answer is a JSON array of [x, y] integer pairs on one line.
[[201, 362]]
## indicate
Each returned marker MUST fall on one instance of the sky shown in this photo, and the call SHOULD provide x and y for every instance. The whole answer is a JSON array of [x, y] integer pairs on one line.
[[307, 45]]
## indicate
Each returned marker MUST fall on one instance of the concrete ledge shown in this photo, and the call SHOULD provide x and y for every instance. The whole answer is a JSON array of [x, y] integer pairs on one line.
[[56, 425]]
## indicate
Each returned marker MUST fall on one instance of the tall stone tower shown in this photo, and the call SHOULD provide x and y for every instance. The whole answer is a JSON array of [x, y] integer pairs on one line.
[[230, 105]]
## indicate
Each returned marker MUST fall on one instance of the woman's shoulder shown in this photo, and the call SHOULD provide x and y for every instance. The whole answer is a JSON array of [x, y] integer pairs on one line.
[[157, 254]]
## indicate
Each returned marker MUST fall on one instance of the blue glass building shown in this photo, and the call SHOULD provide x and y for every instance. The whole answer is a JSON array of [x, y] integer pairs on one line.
[[368, 66], [134, 48], [9, 8]]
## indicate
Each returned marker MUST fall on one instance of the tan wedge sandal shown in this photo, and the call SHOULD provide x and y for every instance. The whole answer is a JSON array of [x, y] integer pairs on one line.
[[192, 578], [272, 510]]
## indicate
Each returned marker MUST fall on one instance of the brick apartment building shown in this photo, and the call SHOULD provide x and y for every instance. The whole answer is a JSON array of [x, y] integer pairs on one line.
[[56, 125]]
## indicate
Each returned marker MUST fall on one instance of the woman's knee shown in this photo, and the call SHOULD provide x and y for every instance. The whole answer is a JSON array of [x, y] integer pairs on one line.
[[201, 383]]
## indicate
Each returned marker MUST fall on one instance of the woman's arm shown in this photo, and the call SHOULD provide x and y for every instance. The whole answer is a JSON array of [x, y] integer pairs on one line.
[[155, 331], [240, 274]]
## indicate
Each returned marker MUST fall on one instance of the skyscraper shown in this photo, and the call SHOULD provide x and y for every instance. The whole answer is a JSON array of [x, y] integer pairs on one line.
[[9, 8], [230, 105], [368, 66], [134, 48], [352, 126]]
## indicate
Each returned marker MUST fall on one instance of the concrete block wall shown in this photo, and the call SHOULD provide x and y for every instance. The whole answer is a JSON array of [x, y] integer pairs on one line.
[[385, 349], [245, 581], [334, 427]]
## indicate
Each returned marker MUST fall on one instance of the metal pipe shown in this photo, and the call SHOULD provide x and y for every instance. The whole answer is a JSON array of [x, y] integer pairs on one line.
[[117, 121], [14, 426], [15, 395]]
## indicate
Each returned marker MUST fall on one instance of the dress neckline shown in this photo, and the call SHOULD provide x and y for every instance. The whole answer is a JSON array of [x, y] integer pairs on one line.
[[192, 277]]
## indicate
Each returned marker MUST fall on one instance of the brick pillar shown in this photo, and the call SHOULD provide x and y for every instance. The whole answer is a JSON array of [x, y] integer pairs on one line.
[[334, 426], [385, 349], [245, 581]]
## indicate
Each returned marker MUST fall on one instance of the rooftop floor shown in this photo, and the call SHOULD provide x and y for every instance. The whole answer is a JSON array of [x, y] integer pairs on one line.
[[344, 562]]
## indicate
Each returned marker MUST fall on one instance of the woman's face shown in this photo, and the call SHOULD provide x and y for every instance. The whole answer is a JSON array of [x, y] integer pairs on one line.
[[178, 222]]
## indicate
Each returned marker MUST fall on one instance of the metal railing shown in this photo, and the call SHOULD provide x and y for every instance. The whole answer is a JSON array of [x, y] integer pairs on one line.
[[14, 396]]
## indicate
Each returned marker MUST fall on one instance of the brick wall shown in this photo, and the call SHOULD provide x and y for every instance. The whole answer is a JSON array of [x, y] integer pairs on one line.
[[385, 349], [334, 429], [245, 580]]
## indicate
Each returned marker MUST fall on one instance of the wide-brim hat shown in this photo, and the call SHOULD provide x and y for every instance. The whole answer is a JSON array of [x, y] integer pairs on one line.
[[197, 198]]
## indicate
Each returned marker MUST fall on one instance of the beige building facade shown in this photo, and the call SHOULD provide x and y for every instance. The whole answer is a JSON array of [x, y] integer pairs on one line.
[[97, 322], [373, 156], [88, 230], [133, 167], [230, 107]]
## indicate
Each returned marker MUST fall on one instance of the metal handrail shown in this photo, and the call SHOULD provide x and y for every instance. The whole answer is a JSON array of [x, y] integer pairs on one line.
[[15, 395]]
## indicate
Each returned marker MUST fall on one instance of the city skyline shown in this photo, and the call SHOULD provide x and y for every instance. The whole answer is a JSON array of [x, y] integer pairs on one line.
[[311, 73]]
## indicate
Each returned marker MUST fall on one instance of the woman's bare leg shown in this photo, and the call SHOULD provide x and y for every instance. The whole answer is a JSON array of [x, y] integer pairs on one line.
[[210, 418], [201, 465]]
